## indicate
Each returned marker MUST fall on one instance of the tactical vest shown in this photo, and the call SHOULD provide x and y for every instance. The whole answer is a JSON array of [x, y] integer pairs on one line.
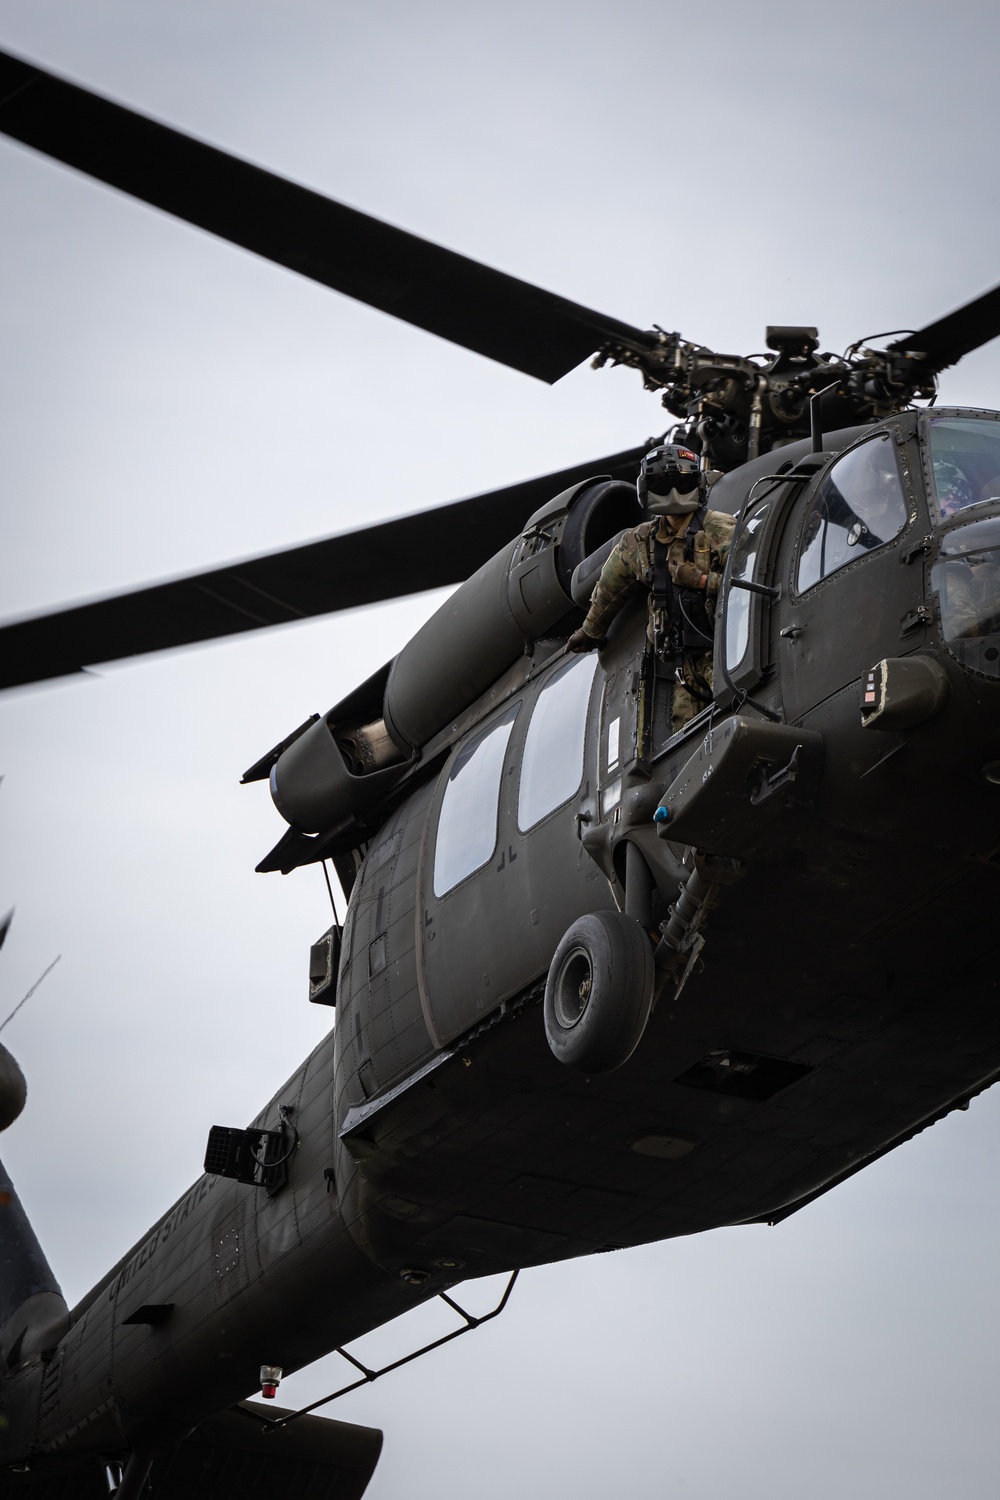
[[684, 622]]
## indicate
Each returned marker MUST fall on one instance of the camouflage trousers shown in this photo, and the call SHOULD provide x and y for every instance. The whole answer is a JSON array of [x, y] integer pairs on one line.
[[697, 669]]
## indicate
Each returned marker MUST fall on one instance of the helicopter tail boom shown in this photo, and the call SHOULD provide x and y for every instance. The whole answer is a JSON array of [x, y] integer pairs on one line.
[[130, 1374]]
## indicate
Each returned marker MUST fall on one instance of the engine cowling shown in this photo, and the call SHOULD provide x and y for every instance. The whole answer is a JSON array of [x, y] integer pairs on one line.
[[522, 594]]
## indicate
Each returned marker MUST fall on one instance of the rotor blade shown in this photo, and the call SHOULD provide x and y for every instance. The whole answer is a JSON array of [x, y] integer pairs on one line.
[[459, 299], [387, 561], [959, 332]]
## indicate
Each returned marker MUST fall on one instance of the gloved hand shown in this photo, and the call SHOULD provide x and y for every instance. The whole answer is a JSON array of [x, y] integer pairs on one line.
[[580, 641], [688, 575]]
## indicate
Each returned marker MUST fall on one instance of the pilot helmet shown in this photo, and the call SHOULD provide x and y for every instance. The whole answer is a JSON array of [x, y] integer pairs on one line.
[[670, 481], [953, 489]]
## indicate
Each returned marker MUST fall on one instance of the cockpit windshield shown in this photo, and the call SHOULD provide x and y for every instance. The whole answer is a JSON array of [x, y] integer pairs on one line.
[[965, 462], [859, 506], [966, 578]]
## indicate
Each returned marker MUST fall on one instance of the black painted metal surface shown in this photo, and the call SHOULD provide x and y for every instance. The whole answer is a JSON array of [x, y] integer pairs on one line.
[[407, 554], [448, 294]]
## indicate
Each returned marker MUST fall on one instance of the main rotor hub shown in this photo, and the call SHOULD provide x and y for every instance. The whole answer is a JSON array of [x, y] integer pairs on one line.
[[734, 407]]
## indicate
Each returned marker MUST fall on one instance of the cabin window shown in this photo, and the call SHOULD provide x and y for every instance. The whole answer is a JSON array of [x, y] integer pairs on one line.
[[467, 826], [743, 565], [859, 506], [552, 761]]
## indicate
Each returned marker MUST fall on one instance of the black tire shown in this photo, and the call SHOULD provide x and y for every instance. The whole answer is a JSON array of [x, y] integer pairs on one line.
[[599, 992]]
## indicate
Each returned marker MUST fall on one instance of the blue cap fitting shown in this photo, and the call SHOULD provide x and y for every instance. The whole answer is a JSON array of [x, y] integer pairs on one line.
[[661, 815]]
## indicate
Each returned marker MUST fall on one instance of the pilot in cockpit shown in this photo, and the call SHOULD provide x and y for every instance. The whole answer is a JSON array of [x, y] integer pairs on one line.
[[954, 492], [679, 555]]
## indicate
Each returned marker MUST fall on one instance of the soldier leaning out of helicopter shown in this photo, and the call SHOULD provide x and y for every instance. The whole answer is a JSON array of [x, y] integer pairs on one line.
[[679, 555]]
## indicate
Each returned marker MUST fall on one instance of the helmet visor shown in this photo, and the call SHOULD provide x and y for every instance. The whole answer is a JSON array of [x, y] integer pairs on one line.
[[662, 481]]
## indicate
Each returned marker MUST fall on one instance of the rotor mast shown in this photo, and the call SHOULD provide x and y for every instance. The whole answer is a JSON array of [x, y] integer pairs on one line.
[[734, 407]]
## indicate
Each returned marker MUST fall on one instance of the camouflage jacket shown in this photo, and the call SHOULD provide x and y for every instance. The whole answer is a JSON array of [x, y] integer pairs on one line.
[[630, 567]]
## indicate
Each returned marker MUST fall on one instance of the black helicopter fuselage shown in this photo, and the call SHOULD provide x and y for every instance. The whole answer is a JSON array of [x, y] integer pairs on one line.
[[841, 995]]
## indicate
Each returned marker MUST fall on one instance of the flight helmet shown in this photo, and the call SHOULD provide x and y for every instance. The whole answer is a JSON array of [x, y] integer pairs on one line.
[[954, 491], [670, 481]]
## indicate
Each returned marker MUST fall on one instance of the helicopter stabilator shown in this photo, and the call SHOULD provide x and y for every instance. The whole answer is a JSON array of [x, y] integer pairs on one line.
[[554, 1033]]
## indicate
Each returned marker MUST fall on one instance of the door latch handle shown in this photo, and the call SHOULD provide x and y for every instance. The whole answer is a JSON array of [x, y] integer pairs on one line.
[[914, 619]]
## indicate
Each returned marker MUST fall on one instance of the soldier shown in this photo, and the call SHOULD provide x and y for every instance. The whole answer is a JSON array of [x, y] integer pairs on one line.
[[679, 556], [954, 492]]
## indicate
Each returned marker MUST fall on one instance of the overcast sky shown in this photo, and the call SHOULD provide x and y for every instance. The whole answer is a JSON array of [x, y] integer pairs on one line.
[[169, 402]]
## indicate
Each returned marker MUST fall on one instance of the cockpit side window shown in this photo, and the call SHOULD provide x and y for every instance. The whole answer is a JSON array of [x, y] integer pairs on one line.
[[552, 761], [467, 824], [965, 462], [859, 506], [743, 564], [966, 579]]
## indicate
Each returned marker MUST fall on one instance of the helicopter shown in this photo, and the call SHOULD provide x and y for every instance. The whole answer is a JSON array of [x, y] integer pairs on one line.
[[730, 1082]]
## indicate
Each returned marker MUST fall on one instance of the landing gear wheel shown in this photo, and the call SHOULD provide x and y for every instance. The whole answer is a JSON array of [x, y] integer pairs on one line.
[[599, 992]]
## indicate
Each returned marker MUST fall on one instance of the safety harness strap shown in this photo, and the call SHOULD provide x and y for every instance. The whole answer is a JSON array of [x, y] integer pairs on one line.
[[674, 626], [663, 599]]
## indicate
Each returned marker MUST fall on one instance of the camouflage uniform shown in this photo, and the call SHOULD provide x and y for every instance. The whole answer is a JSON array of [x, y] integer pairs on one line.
[[630, 567]]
